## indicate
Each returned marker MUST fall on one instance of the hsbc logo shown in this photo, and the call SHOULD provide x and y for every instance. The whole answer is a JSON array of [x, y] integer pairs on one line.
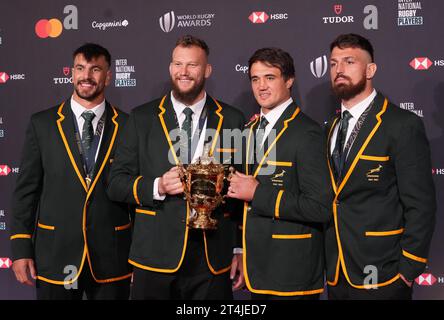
[[64, 80], [4, 77], [438, 171], [258, 17], [426, 279], [422, 63], [318, 67], [5, 263], [4, 170], [262, 16]]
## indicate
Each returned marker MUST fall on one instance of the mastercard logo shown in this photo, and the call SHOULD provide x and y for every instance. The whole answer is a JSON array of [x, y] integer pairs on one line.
[[48, 28]]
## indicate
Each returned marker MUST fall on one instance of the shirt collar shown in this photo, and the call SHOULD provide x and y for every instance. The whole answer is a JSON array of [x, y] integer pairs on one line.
[[78, 109], [197, 107], [360, 107], [274, 114]]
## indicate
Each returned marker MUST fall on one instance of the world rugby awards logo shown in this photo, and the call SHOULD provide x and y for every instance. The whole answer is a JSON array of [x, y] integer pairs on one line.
[[167, 21], [318, 67]]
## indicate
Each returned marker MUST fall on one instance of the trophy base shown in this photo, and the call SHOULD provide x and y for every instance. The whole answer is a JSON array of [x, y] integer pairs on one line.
[[202, 221]]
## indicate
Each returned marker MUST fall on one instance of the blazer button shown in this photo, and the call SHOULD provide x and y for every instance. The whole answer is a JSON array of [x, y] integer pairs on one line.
[[249, 208], [337, 202]]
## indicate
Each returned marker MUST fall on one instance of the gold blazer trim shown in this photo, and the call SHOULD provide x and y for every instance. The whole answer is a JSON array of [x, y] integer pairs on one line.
[[383, 233], [413, 257], [68, 150], [20, 236], [135, 190], [280, 163], [124, 227], [291, 236], [149, 212], [278, 203], [44, 226], [227, 150], [374, 158]]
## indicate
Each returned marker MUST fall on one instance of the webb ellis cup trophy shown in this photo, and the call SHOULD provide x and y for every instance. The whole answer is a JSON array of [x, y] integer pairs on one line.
[[203, 182]]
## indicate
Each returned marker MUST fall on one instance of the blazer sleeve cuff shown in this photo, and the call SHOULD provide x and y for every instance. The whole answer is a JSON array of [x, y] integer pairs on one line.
[[411, 266], [265, 200], [143, 191], [21, 246]]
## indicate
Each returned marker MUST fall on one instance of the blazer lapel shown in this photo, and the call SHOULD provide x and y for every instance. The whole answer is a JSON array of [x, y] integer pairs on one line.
[[249, 155], [280, 126], [214, 122], [168, 122], [108, 139], [65, 124], [331, 127], [367, 127]]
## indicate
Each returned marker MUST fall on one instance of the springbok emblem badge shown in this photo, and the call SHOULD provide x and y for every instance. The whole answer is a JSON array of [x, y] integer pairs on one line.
[[373, 174]]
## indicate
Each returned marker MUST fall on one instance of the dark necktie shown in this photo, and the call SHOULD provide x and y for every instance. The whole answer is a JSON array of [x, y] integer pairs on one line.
[[88, 137], [339, 155], [187, 126], [260, 133]]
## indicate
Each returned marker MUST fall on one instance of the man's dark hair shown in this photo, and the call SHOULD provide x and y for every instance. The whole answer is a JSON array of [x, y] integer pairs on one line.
[[191, 41], [93, 51], [275, 57], [352, 40]]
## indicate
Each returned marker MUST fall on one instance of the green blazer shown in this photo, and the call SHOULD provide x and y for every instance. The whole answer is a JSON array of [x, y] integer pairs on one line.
[[145, 152], [56, 219], [384, 208]]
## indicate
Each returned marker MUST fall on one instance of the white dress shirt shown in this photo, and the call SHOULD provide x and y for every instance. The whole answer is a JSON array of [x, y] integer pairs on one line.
[[356, 111], [98, 110], [273, 116], [179, 107]]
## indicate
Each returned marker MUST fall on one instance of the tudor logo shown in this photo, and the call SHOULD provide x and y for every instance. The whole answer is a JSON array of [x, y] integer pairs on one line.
[[318, 66], [337, 8], [66, 70], [5, 263], [426, 279], [258, 17], [422, 63]]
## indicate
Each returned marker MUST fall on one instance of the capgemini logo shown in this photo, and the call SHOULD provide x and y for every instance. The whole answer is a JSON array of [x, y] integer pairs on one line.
[[318, 67], [167, 21]]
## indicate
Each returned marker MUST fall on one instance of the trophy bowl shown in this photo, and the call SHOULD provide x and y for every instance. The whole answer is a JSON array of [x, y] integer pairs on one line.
[[203, 183]]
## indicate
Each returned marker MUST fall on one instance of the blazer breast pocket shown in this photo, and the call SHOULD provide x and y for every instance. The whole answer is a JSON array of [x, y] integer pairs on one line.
[[375, 169], [279, 171]]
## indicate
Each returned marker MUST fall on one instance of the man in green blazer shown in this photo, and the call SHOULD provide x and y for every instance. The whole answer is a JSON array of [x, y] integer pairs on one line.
[[285, 188], [170, 259], [66, 233], [384, 207]]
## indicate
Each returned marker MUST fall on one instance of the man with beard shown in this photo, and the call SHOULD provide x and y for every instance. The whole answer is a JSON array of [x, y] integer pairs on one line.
[[380, 169], [66, 234], [170, 259]]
